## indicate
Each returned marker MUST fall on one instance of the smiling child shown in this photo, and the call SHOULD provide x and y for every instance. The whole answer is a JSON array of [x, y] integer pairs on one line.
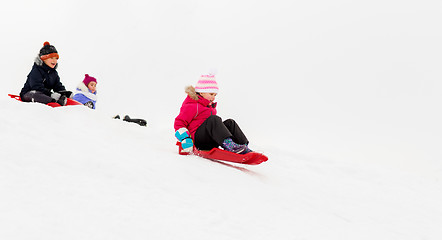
[[44, 78], [86, 92]]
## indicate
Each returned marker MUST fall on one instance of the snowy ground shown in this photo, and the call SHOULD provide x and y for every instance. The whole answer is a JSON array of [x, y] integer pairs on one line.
[[343, 97], [61, 181]]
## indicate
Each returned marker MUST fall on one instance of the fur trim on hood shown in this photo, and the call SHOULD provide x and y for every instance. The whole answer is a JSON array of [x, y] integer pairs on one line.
[[190, 90], [38, 61], [82, 87]]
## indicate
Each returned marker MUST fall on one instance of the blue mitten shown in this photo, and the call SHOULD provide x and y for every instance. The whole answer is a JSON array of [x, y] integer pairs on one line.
[[183, 136], [187, 145]]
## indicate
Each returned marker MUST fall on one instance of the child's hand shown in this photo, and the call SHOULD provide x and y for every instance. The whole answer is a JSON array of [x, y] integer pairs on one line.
[[183, 136], [55, 96], [66, 93], [187, 145], [89, 104]]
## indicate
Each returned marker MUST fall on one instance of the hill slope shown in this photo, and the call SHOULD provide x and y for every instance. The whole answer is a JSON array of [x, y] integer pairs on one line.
[[75, 173]]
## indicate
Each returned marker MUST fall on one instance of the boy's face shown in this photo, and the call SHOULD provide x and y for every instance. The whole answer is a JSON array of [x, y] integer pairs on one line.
[[51, 62], [92, 86], [209, 96]]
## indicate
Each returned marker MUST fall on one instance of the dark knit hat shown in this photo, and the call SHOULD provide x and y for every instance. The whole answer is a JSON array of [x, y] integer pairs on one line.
[[48, 51]]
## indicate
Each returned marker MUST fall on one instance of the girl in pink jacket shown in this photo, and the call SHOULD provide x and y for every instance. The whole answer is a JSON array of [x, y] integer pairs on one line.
[[198, 123]]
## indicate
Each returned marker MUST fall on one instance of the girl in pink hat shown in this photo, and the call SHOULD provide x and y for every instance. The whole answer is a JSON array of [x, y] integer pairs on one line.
[[197, 123], [86, 92]]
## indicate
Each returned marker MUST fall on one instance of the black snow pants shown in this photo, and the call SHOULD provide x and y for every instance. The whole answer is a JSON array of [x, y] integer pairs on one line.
[[213, 131], [37, 96]]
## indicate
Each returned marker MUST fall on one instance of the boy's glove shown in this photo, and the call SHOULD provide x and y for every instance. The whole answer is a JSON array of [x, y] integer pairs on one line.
[[55, 96], [66, 93], [62, 100], [183, 136]]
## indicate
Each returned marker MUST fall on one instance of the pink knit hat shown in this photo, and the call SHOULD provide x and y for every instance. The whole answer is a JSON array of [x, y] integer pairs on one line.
[[88, 79], [207, 84]]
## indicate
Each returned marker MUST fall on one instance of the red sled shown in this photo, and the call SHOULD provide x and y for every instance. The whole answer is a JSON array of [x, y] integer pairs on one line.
[[251, 158], [69, 101]]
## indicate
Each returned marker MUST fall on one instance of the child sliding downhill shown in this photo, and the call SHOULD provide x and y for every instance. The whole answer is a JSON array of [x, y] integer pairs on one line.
[[197, 125]]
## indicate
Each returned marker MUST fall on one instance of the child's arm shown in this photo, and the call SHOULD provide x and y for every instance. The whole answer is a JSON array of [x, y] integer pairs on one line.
[[182, 121], [187, 114], [79, 97], [59, 86]]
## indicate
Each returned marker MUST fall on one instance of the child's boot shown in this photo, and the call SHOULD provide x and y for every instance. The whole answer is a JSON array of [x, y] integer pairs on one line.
[[247, 149], [231, 146]]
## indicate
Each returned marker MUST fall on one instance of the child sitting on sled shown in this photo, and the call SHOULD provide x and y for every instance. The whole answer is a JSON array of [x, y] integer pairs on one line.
[[87, 92], [44, 78], [197, 123]]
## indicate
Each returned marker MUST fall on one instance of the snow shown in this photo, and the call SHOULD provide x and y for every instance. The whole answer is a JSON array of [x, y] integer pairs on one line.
[[343, 97]]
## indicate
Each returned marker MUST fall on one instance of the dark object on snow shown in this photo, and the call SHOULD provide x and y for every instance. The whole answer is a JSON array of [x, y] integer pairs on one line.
[[138, 121]]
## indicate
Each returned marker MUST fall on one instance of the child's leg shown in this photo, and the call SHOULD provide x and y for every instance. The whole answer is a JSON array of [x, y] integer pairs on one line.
[[36, 96], [211, 133], [238, 137], [237, 134]]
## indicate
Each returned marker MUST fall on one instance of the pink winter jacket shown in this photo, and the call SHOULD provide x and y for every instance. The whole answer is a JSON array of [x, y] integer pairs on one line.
[[194, 111]]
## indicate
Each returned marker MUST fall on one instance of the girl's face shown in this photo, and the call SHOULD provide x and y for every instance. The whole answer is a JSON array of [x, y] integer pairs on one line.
[[92, 86], [209, 96], [51, 62]]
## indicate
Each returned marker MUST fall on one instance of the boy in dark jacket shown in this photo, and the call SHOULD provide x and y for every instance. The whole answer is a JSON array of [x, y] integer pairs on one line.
[[44, 78]]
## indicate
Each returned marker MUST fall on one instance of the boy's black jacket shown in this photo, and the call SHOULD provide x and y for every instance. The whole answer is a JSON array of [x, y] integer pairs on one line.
[[42, 78]]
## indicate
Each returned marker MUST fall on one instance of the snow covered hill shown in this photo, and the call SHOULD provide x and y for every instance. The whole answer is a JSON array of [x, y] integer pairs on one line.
[[344, 98], [75, 173]]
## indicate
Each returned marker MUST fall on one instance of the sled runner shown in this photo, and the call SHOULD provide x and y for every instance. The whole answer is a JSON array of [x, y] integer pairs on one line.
[[251, 158], [51, 104]]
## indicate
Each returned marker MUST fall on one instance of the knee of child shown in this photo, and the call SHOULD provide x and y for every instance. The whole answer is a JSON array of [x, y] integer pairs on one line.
[[229, 121]]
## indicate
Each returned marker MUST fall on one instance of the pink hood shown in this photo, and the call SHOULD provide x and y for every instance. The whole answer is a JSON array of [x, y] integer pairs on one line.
[[194, 111]]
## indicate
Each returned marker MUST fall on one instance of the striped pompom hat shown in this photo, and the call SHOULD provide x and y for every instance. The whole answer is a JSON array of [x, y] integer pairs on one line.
[[207, 84]]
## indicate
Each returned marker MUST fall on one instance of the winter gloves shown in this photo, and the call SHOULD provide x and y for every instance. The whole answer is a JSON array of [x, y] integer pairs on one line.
[[89, 104], [66, 93], [55, 96], [59, 98], [183, 136]]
